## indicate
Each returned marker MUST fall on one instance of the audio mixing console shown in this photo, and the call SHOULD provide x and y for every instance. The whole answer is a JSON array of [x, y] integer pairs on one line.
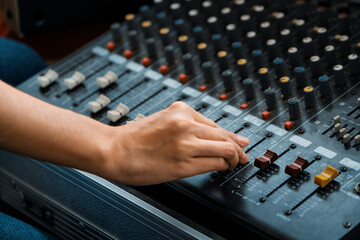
[[285, 74]]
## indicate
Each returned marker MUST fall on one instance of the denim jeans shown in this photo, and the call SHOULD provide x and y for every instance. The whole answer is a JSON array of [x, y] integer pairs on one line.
[[17, 63]]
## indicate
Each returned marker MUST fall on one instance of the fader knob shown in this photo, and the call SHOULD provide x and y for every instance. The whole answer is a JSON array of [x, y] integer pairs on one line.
[[294, 108], [270, 98]]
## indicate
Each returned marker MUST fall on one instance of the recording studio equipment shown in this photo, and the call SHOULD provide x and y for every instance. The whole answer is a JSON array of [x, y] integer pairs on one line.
[[285, 74]]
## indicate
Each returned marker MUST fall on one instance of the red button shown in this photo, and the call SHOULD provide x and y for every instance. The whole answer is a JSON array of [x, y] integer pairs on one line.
[[145, 62], [183, 78], [288, 124], [110, 46], [223, 96], [265, 114], [244, 106], [202, 87], [128, 54], [164, 69]]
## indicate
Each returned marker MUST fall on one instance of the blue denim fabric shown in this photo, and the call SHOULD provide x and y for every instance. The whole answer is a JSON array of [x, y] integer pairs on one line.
[[18, 62], [12, 228]]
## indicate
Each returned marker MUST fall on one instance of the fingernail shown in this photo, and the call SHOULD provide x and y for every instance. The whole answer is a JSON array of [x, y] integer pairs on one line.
[[243, 140], [245, 158]]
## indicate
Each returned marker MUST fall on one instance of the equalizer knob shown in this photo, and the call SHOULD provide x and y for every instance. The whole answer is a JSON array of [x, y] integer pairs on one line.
[[228, 80], [285, 87], [115, 30], [270, 98], [294, 108], [324, 84], [264, 78], [208, 72], [248, 85], [339, 75], [309, 97]]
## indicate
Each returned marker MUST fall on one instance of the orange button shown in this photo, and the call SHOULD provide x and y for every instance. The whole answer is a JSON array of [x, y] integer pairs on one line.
[[265, 114], [110, 46], [182, 78], [223, 96], [202, 87], [145, 62], [244, 106], [128, 54], [288, 124], [164, 69]]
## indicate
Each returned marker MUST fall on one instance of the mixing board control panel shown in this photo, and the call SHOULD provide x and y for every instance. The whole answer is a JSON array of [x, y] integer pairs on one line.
[[283, 73]]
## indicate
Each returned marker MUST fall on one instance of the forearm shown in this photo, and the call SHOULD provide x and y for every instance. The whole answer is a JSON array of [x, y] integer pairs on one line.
[[31, 127]]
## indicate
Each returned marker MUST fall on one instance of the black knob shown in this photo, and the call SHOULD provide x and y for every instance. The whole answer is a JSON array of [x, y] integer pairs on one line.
[[227, 77], [270, 98], [170, 54], [115, 30], [188, 63], [208, 72], [324, 84], [294, 108], [339, 75], [309, 97], [300, 77], [264, 78], [279, 66], [248, 85], [285, 86]]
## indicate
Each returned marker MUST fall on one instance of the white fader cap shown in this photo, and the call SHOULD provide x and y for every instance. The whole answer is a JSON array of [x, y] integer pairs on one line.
[[120, 111], [46, 79], [99, 104], [73, 81], [107, 79]]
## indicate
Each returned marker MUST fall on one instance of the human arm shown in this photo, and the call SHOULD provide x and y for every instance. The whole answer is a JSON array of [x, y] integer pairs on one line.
[[174, 143]]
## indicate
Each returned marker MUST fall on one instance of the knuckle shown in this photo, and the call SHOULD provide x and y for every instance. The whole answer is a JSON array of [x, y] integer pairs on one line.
[[222, 164], [179, 105], [229, 150]]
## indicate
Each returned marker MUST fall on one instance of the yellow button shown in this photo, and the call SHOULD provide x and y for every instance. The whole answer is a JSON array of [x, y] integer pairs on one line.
[[326, 176], [222, 54], [164, 31], [129, 16], [201, 46], [241, 61], [284, 79], [263, 70], [308, 89], [146, 24], [183, 38]]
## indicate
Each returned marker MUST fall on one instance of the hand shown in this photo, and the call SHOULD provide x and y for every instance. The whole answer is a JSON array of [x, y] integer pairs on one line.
[[174, 143]]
